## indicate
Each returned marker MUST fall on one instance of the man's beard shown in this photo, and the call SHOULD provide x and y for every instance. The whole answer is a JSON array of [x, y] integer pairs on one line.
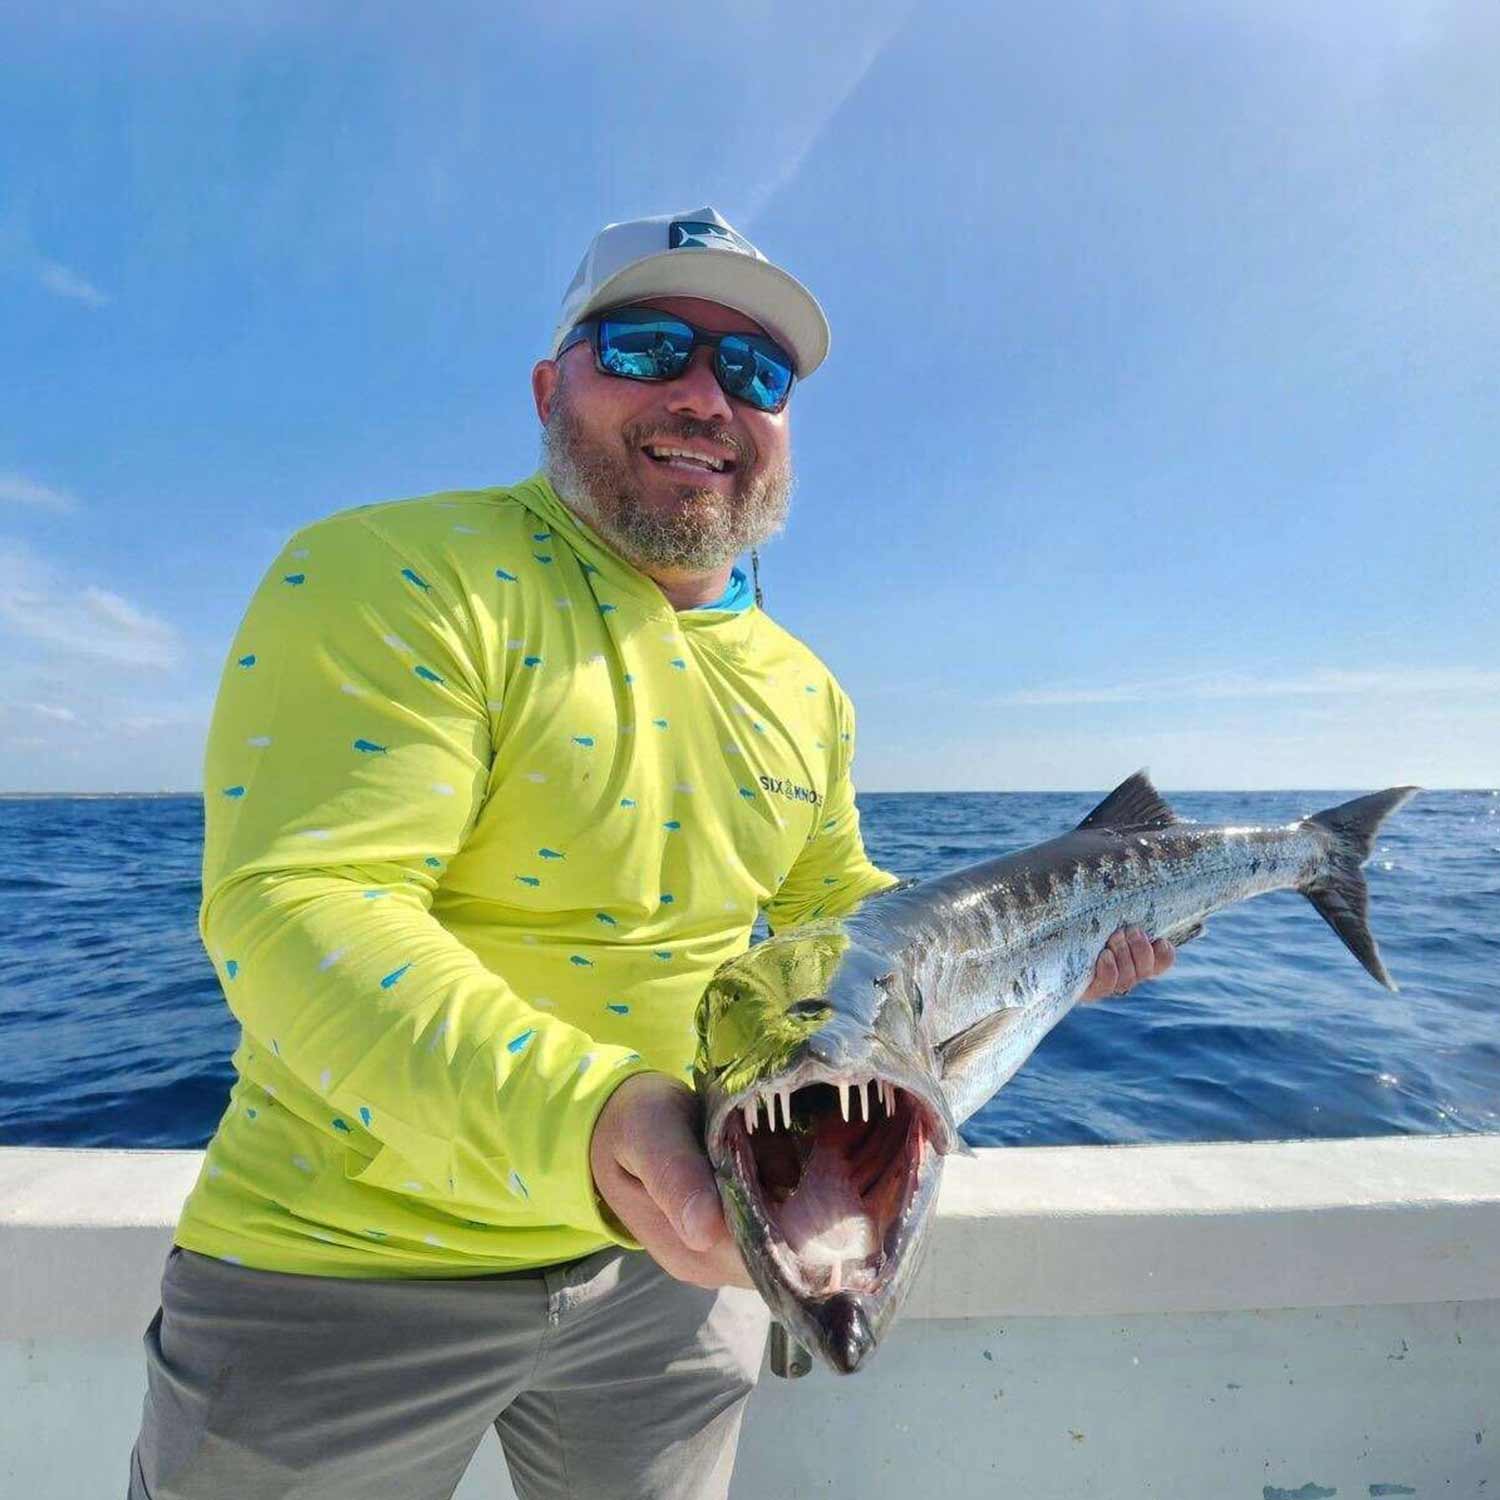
[[704, 529]]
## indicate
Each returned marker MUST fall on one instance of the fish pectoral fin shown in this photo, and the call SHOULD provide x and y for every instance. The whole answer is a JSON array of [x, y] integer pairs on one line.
[[1135, 803], [1177, 939], [955, 1054]]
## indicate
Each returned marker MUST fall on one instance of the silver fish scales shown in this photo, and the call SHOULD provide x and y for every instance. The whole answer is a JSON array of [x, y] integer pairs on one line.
[[838, 1060]]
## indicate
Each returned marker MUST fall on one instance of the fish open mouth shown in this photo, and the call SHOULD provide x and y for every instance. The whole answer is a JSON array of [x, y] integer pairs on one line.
[[828, 1172]]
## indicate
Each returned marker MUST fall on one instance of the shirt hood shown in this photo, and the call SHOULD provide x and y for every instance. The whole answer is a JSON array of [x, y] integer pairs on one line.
[[621, 581]]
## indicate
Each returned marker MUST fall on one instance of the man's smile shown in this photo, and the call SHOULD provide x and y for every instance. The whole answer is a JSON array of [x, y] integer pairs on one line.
[[704, 462], [676, 455]]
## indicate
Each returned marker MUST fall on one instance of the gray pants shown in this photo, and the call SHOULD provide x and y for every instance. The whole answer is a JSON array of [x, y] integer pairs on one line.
[[603, 1377]]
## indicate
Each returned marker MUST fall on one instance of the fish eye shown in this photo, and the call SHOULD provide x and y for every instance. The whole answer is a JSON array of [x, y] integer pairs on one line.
[[808, 1008]]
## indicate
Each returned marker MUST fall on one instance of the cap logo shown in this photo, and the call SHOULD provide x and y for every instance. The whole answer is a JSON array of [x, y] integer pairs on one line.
[[698, 234]]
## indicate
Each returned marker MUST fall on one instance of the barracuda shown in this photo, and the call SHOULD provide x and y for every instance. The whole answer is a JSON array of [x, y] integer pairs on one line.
[[838, 1060]]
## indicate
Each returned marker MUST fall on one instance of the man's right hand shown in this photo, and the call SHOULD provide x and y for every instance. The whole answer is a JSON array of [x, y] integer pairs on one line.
[[650, 1168]]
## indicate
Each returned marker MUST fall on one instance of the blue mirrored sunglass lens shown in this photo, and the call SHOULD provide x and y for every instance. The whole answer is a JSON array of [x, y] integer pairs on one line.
[[644, 350], [754, 371]]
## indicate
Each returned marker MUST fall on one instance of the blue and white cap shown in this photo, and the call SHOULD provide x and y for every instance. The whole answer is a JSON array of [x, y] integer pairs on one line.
[[697, 254]]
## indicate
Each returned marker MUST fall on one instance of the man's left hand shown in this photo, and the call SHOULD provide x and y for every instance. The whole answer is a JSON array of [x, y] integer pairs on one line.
[[1129, 957]]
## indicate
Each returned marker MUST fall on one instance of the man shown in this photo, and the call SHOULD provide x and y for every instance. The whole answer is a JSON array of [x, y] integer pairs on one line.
[[495, 781]]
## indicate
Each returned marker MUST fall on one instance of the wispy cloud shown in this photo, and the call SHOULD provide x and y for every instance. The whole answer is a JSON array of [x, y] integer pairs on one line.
[[22, 491], [192, 715], [1329, 683], [850, 62], [65, 283], [20, 256], [52, 713], [79, 619]]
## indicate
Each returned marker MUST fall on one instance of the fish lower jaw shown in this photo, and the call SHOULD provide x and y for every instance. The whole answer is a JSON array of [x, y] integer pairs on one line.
[[845, 1258]]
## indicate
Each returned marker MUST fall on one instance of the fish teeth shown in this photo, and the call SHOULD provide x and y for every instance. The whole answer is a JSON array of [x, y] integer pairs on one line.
[[872, 1093]]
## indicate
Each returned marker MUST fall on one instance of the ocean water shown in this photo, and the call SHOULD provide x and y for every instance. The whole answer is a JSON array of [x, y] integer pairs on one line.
[[113, 1031]]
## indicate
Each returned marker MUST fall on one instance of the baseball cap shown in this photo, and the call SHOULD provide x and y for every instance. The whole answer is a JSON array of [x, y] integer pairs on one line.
[[697, 254]]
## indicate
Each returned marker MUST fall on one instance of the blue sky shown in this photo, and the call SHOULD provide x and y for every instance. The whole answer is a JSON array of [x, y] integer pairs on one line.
[[1162, 422]]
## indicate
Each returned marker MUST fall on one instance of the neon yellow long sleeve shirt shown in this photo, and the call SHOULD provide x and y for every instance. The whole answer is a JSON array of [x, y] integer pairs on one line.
[[483, 813]]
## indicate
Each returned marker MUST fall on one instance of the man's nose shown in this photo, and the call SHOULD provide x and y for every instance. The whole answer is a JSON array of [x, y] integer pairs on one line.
[[697, 393]]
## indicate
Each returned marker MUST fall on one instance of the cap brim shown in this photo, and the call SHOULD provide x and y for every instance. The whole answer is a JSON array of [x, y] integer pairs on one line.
[[760, 290]]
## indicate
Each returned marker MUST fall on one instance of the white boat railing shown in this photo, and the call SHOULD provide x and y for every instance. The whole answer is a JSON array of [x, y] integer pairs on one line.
[[1292, 1319]]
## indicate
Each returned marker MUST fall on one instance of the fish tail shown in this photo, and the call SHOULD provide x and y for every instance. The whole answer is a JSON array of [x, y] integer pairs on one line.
[[1338, 890]]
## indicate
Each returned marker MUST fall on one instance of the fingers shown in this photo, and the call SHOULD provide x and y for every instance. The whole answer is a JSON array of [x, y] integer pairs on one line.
[[638, 1212], [1119, 949], [650, 1168], [1142, 963], [1129, 956], [1106, 976], [681, 1185], [651, 1132]]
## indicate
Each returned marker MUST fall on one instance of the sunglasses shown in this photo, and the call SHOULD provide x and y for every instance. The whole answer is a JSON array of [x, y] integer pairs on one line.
[[639, 343]]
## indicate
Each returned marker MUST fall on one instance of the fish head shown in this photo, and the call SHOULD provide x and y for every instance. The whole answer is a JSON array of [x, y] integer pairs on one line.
[[826, 1127]]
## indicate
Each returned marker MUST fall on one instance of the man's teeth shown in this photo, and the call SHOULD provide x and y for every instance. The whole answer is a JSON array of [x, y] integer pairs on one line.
[[767, 1105], [665, 454]]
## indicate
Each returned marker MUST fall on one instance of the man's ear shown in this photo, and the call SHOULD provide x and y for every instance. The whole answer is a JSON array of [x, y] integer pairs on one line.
[[546, 376]]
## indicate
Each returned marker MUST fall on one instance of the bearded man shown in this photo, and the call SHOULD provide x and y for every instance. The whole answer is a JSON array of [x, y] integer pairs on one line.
[[495, 780]]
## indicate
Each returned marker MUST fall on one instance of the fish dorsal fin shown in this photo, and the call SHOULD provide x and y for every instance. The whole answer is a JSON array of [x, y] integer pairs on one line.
[[1135, 803]]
